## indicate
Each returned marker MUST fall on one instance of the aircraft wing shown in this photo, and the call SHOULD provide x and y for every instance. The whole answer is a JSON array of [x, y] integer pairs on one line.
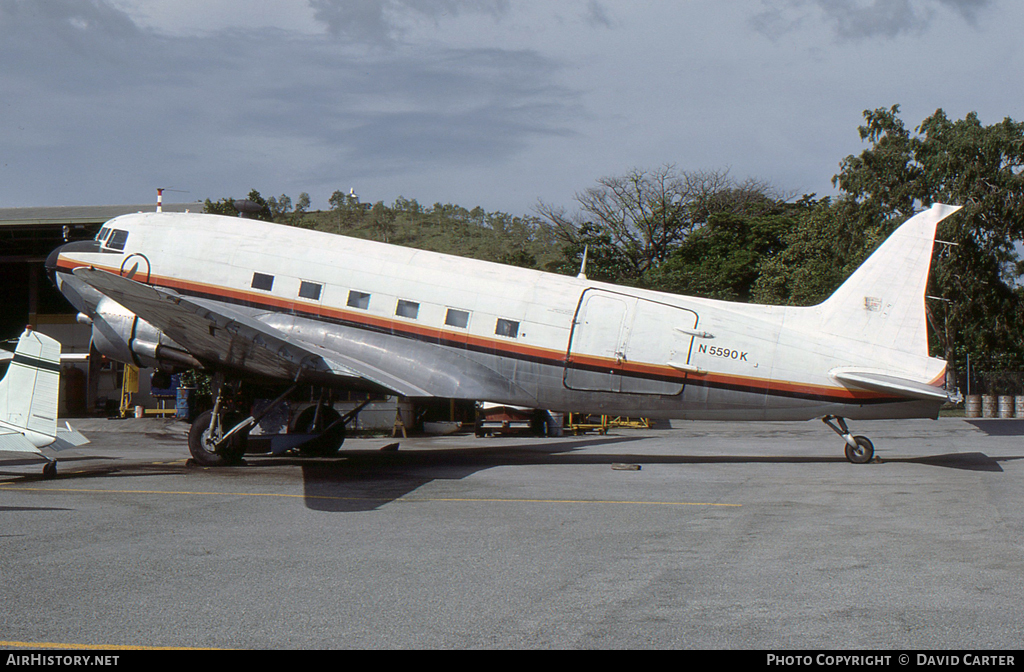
[[219, 336], [878, 382]]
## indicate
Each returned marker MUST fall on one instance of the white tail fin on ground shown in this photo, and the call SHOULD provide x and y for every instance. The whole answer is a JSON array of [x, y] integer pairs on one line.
[[29, 391], [882, 303], [29, 395]]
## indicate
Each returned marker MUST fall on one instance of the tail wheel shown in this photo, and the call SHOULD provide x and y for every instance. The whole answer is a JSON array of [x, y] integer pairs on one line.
[[201, 441], [863, 453]]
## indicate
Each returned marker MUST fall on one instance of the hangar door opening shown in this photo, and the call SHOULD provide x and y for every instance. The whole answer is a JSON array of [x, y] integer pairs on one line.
[[621, 343]]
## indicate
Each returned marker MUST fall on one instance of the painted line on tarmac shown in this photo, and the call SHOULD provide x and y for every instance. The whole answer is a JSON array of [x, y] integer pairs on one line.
[[98, 647], [369, 499]]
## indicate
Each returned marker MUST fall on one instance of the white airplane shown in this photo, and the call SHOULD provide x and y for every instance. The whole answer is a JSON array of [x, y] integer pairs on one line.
[[28, 401], [247, 299]]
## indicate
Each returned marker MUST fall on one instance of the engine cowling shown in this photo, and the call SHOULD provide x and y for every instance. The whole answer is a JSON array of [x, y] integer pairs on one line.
[[123, 336]]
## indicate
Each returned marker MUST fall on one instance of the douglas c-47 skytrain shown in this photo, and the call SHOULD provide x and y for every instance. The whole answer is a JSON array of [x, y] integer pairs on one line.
[[247, 300]]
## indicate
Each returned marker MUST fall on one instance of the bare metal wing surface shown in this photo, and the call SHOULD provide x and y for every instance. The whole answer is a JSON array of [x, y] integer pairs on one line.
[[217, 335]]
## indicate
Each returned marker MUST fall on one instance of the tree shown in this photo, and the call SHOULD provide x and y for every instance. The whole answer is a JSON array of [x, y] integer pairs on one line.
[[646, 214], [723, 259], [350, 210], [818, 252], [383, 221], [254, 207], [279, 207]]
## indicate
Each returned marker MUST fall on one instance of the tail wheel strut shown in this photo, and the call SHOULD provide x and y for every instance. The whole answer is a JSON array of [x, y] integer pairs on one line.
[[859, 449]]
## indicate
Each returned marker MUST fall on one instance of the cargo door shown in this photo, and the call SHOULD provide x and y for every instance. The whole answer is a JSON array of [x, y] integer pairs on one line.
[[596, 345], [621, 343]]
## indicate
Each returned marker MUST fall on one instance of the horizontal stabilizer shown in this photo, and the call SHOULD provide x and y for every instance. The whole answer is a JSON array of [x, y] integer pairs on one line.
[[878, 382], [16, 442], [68, 438]]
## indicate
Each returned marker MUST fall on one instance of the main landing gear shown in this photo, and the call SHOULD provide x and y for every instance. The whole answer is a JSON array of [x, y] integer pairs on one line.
[[219, 437], [859, 449]]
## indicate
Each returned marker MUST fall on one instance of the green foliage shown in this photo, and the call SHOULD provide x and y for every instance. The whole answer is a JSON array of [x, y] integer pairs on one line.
[[606, 261], [722, 260], [821, 249], [446, 228], [225, 206]]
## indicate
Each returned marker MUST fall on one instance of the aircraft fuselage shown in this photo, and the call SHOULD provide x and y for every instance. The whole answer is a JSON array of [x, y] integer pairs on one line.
[[467, 329]]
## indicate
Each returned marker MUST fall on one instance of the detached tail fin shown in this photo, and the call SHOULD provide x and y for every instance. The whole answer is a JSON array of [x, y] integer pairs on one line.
[[29, 392], [882, 303]]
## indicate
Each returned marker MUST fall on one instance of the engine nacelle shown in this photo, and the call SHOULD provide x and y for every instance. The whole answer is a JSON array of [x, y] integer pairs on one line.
[[121, 335]]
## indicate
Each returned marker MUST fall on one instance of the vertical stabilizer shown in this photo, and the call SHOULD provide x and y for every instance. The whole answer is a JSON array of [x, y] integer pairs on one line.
[[882, 303], [29, 391]]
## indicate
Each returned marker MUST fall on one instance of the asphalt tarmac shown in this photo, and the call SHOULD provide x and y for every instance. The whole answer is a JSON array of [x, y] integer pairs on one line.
[[704, 535]]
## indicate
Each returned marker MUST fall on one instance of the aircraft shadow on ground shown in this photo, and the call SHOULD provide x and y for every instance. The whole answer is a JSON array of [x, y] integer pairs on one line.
[[1000, 427], [365, 480]]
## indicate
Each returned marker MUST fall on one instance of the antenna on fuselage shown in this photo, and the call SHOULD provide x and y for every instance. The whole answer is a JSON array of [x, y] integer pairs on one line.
[[583, 267]]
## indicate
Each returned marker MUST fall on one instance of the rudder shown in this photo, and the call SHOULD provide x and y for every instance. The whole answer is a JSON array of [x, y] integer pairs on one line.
[[882, 303]]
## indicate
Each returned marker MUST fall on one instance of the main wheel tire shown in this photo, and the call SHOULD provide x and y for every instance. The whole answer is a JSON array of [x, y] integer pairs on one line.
[[329, 442], [201, 445], [863, 453]]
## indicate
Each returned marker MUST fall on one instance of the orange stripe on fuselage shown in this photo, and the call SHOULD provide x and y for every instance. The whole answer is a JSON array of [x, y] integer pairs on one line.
[[496, 346]]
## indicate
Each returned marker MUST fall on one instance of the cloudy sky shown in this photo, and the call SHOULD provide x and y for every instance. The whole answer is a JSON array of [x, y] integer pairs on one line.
[[496, 103]]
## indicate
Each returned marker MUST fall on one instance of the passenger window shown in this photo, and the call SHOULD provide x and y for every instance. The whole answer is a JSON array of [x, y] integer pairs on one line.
[[456, 318], [262, 281], [117, 239], [408, 309], [358, 300], [507, 328], [310, 290]]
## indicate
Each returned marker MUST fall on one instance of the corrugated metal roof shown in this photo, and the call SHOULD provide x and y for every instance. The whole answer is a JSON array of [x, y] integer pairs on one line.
[[82, 214]]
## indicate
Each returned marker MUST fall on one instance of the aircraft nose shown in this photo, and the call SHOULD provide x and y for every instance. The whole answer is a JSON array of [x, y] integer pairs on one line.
[[51, 264], [77, 246]]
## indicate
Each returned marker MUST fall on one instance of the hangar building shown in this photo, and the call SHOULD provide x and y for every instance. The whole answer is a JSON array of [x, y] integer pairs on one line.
[[27, 236]]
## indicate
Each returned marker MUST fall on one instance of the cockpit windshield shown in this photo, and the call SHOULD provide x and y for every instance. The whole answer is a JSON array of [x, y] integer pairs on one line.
[[117, 239]]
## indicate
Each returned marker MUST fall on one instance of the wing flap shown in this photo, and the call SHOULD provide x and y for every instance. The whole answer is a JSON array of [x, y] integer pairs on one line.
[[889, 384]]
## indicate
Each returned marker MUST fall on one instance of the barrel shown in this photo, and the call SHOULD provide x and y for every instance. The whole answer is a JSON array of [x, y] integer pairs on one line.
[[972, 406], [1005, 406], [988, 406], [1020, 405]]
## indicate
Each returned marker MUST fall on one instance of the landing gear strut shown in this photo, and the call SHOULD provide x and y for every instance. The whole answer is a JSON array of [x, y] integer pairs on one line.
[[219, 437], [859, 449]]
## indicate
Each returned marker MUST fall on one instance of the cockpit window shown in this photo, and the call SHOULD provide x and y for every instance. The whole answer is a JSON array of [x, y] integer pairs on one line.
[[117, 239], [102, 235]]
